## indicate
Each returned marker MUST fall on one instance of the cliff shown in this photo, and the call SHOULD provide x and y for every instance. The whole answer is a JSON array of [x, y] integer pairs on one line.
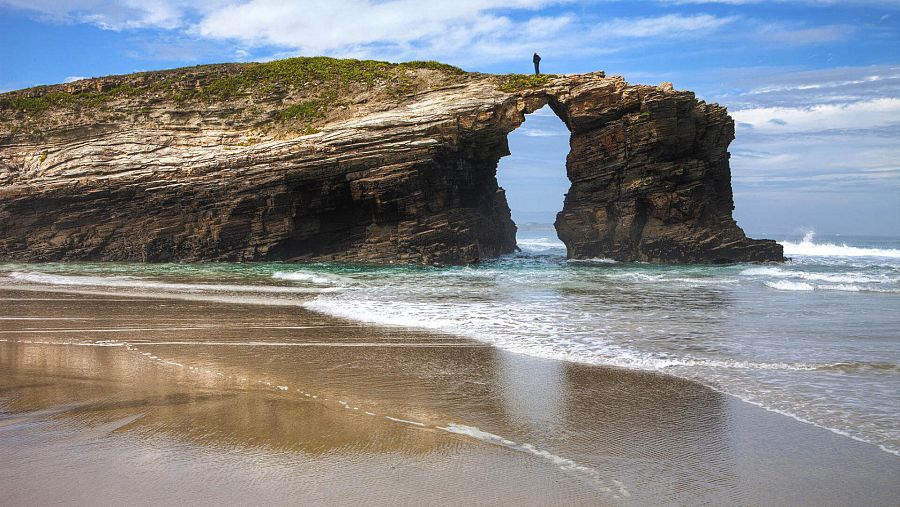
[[321, 159]]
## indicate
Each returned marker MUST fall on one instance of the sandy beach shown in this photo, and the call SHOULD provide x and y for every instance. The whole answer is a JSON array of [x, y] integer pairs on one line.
[[140, 401], [391, 253]]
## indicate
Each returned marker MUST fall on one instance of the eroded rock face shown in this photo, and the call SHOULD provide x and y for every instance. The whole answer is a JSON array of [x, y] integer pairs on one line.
[[650, 177], [410, 179]]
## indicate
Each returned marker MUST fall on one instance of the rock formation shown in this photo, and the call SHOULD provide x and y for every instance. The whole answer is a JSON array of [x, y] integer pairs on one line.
[[317, 159]]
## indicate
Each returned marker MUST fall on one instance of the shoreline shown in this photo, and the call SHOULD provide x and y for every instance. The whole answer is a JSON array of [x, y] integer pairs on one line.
[[579, 428], [272, 302]]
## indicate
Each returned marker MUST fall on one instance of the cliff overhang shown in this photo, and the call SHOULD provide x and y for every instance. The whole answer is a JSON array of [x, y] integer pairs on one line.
[[341, 160]]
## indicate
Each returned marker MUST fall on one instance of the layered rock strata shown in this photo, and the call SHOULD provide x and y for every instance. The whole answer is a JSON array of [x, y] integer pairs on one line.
[[401, 168]]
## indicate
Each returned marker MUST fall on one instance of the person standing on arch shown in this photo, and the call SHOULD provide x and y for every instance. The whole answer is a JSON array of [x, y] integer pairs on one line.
[[537, 64]]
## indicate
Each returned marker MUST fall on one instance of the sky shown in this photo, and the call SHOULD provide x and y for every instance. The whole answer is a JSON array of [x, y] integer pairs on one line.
[[813, 85]]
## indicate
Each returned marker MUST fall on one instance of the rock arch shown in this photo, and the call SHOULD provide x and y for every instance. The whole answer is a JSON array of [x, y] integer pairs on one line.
[[649, 172], [408, 179]]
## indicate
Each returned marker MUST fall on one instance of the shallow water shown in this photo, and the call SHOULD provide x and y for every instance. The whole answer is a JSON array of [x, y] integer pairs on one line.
[[133, 400], [816, 339]]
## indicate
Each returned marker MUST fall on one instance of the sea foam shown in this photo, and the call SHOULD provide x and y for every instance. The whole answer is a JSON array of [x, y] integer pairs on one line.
[[315, 278], [540, 245], [839, 278], [806, 247], [565, 464], [788, 285], [126, 282]]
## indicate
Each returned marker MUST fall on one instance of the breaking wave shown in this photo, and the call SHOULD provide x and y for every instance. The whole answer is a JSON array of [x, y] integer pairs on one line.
[[540, 245], [806, 247], [516, 332], [788, 285], [314, 278], [803, 278], [127, 282]]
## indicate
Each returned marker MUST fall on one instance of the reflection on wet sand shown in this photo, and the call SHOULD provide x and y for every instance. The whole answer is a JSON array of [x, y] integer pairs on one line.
[[237, 403]]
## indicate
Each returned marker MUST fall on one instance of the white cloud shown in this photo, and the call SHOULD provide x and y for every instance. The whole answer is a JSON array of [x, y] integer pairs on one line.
[[809, 138], [759, 87], [72, 79], [329, 25], [830, 160], [467, 32], [797, 36], [804, 86], [820, 3], [462, 31], [108, 14], [536, 132], [869, 114], [672, 25]]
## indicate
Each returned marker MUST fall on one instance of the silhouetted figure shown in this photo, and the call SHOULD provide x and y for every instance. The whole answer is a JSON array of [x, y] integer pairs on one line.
[[537, 64]]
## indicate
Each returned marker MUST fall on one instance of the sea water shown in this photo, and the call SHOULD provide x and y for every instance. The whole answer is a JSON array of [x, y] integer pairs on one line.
[[816, 339]]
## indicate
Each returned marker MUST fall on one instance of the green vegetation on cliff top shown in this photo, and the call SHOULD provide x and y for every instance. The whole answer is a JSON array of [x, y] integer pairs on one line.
[[307, 87], [517, 82], [221, 82]]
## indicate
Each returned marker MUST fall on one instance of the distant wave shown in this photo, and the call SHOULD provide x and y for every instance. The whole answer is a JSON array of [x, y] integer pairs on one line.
[[592, 262], [806, 247], [798, 280], [305, 276], [788, 285], [540, 244], [834, 278], [124, 282]]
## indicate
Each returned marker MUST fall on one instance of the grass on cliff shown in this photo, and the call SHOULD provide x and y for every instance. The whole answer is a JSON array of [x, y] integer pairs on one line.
[[192, 84], [306, 71], [513, 83], [308, 110], [61, 100]]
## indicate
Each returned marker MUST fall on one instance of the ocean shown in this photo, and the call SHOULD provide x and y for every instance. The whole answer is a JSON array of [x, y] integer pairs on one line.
[[816, 339]]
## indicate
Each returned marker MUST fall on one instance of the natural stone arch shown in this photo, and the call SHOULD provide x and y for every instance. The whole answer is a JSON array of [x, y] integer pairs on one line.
[[394, 178], [649, 173]]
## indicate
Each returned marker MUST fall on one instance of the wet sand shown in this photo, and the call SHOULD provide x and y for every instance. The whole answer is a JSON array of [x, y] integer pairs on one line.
[[146, 401]]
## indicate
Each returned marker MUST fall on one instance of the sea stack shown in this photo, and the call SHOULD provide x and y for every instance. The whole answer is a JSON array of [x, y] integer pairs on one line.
[[318, 159]]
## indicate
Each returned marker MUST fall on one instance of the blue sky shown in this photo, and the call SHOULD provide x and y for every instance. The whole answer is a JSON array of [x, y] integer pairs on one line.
[[814, 85]]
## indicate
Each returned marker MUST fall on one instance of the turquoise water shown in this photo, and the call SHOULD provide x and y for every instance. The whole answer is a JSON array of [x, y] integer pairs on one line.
[[816, 339]]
